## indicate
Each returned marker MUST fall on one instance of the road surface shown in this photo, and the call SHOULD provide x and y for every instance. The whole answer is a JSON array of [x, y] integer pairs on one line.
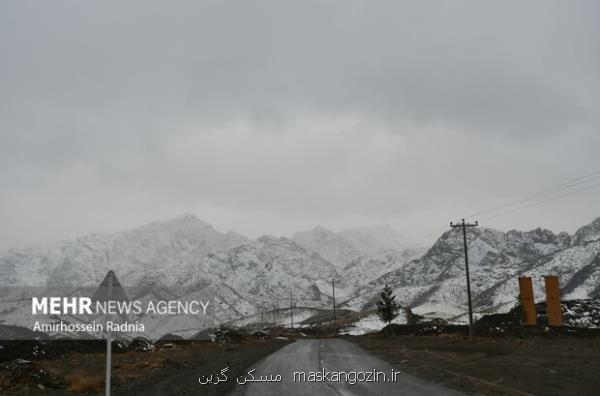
[[331, 356]]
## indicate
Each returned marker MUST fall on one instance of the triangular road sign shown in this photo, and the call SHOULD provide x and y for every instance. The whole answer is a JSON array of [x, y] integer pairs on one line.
[[110, 289]]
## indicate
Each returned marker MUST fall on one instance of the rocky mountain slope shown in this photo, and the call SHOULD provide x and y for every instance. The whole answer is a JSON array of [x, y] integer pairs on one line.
[[177, 259], [346, 246], [185, 256], [434, 284], [149, 250]]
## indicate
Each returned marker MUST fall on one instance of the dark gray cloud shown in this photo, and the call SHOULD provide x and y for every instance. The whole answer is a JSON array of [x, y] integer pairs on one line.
[[271, 116]]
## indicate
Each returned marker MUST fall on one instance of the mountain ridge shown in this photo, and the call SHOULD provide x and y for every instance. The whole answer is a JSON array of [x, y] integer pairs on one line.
[[185, 255]]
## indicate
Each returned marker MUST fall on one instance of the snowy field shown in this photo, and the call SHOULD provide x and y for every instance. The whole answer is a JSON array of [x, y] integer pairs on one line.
[[370, 324]]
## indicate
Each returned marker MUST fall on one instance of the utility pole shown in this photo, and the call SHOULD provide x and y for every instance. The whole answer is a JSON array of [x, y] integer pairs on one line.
[[464, 226], [291, 310], [333, 295]]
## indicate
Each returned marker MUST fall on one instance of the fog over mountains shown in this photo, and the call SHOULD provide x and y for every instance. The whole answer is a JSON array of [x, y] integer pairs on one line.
[[183, 256]]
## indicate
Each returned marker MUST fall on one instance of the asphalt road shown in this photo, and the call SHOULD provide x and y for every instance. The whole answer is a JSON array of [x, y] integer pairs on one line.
[[331, 355]]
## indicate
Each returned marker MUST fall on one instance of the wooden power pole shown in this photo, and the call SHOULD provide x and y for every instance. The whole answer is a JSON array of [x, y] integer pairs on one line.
[[291, 310], [464, 226], [333, 295]]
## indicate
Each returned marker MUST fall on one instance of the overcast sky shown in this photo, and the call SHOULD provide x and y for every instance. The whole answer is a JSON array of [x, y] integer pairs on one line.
[[275, 116]]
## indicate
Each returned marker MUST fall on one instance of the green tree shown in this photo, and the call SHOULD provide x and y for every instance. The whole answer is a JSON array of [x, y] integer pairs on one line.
[[520, 309], [387, 306]]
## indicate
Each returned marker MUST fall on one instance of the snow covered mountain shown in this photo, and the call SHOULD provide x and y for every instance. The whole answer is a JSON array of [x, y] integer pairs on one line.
[[328, 245], [177, 259], [156, 248], [348, 245], [374, 240], [362, 270], [260, 274], [185, 256], [434, 284]]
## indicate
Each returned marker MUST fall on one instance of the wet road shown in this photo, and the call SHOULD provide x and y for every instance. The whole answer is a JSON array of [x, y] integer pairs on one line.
[[331, 356]]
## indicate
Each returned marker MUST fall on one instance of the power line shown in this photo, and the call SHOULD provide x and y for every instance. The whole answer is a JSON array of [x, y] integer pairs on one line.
[[539, 194], [578, 181], [541, 202]]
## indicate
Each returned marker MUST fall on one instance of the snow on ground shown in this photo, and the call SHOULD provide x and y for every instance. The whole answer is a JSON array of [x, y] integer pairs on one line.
[[444, 311], [582, 313], [580, 293], [370, 324], [464, 318], [341, 291], [282, 318]]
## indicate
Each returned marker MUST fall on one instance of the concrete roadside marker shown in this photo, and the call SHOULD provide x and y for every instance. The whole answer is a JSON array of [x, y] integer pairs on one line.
[[527, 300], [553, 301]]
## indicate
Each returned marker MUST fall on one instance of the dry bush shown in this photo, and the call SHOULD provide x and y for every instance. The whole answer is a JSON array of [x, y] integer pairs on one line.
[[79, 381]]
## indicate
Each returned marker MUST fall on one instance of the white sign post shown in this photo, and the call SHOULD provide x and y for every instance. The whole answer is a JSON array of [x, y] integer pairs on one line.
[[110, 289]]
